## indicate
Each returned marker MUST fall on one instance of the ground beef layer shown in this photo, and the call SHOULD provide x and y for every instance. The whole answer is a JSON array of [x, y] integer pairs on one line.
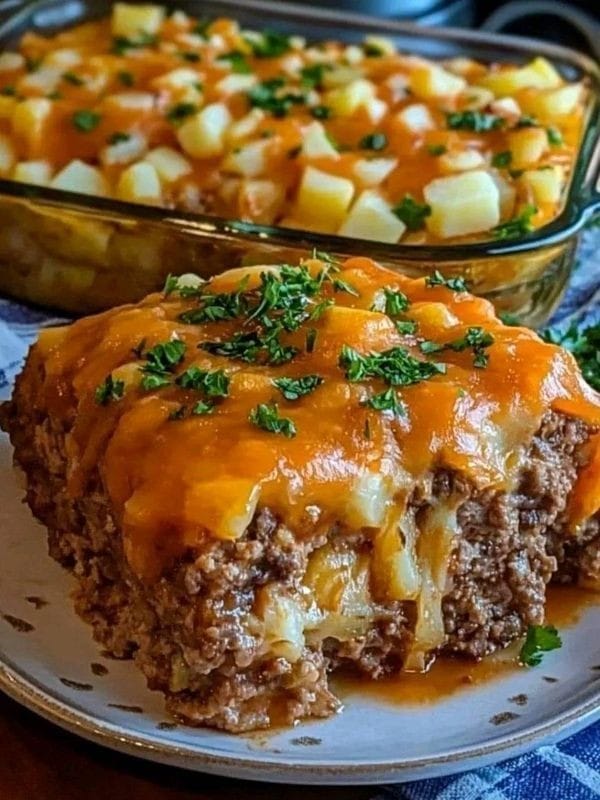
[[189, 631]]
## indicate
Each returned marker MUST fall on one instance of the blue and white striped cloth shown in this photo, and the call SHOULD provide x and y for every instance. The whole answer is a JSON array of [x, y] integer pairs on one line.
[[567, 771]]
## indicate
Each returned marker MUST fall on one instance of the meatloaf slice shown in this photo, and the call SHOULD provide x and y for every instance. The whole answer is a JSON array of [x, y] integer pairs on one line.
[[449, 549]]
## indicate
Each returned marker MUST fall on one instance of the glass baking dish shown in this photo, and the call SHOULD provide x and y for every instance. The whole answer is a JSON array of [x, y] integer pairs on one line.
[[80, 253]]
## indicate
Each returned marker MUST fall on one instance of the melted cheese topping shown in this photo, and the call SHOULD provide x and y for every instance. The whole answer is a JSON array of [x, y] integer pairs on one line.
[[173, 482], [156, 110]]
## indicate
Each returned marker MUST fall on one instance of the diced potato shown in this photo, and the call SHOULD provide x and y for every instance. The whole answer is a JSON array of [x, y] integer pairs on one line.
[[346, 100], [245, 126], [431, 80], [372, 218], [381, 43], [169, 163], [507, 108], [292, 64], [462, 204], [8, 156], [44, 80], [261, 200], [538, 74], [508, 196], [35, 172], [553, 102], [527, 146], [65, 58], [283, 620], [177, 79], [316, 143], [416, 118], [10, 62], [545, 184], [248, 160], [133, 101], [226, 506], [340, 75], [461, 65], [233, 84], [369, 499], [434, 316], [476, 97], [398, 86], [373, 171], [202, 136], [353, 54], [140, 183], [132, 20], [376, 109], [124, 152], [80, 177], [461, 161], [323, 199], [7, 106]]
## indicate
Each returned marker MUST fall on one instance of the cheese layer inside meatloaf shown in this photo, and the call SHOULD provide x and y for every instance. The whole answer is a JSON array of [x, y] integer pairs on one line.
[[261, 478]]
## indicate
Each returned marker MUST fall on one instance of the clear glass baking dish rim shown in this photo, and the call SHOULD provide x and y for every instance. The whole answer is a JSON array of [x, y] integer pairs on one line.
[[581, 204]]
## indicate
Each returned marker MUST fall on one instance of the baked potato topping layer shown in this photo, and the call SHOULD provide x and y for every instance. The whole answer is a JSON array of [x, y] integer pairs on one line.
[[358, 140]]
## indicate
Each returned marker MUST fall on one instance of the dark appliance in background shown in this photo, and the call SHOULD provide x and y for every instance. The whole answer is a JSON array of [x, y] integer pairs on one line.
[[575, 23]]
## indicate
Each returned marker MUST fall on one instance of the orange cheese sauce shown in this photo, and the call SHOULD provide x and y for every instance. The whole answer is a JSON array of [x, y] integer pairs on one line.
[[91, 69], [173, 482]]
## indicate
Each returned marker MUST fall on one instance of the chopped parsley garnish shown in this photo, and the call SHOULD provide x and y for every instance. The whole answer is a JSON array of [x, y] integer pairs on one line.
[[190, 56], [215, 308], [508, 318], [373, 141], [181, 111], [117, 137], [477, 121], [178, 413], [554, 137], [518, 226], [126, 78], [311, 76], [502, 159], [202, 407], [213, 383], [406, 327], [33, 64], [311, 338], [202, 26], [86, 120], [73, 79], [387, 401], [238, 62], [121, 44], [396, 366], [269, 96], [585, 346], [266, 416], [526, 121], [436, 149], [437, 279], [8, 91], [476, 338], [321, 112], [396, 302], [411, 213], [343, 286], [109, 391], [173, 284], [295, 388], [252, 347], [372, 50], [320, 309], [540, 639], [271, 44], [161, 360]]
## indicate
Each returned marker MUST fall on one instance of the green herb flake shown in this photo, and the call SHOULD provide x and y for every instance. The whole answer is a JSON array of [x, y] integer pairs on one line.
[[177, 413], [8, 91], [373, 141], [271, 44], [584, 344], [86, 120], [190, 56], [266, 416], [311, 338], [437, 279], [269, 96], [125, 78], [202, 408], [396, 366], [343, 286], [437, 149], [295, 388], [372, 50], [477, 121], [121, 44], [73, 79], [161, 360], [555, 138], [526, 121], [540, 639], [321, 112], [311, 77], [501, 160], [109, 391], [518, 226], [387, 401], [117, 137], [213, 383], [181, 111], [396, 302], [412, 213], [406, 327], [151, 381], [238, 62], [476, 338]]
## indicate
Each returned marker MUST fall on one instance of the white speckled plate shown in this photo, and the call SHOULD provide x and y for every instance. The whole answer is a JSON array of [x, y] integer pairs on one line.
[[49, 662]]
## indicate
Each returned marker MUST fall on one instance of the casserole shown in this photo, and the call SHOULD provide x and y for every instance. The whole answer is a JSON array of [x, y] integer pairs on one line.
[[94, 253], [283, 471]]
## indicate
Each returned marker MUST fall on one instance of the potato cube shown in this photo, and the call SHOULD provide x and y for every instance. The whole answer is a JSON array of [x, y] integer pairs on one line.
[[248, 160], [431, 80], [545, 184], [35, 172], [340, 75], [131, 21], [10, 62], [226, 506], [65, 58], [133, 101], [461, 161], [245, 126], [8, 156], [202, 136], [44, 80], [316, 143], [527, 146], [80, 177], [323, 199], [368, 501], [7, 106], [372, 218], [124, 152], [233, 84], [140, 183], [373, 171], [376, 109], [553, 102], [538, 74], [261, 200], [462, 204], [169, 164], [416, 118], [346, 100], [177, 79], [508, 195]]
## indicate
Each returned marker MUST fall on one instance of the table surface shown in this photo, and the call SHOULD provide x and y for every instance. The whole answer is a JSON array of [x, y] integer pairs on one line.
[[38, 760]]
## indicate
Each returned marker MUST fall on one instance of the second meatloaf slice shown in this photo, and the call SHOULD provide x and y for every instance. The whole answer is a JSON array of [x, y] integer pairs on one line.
[[257, 480]]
